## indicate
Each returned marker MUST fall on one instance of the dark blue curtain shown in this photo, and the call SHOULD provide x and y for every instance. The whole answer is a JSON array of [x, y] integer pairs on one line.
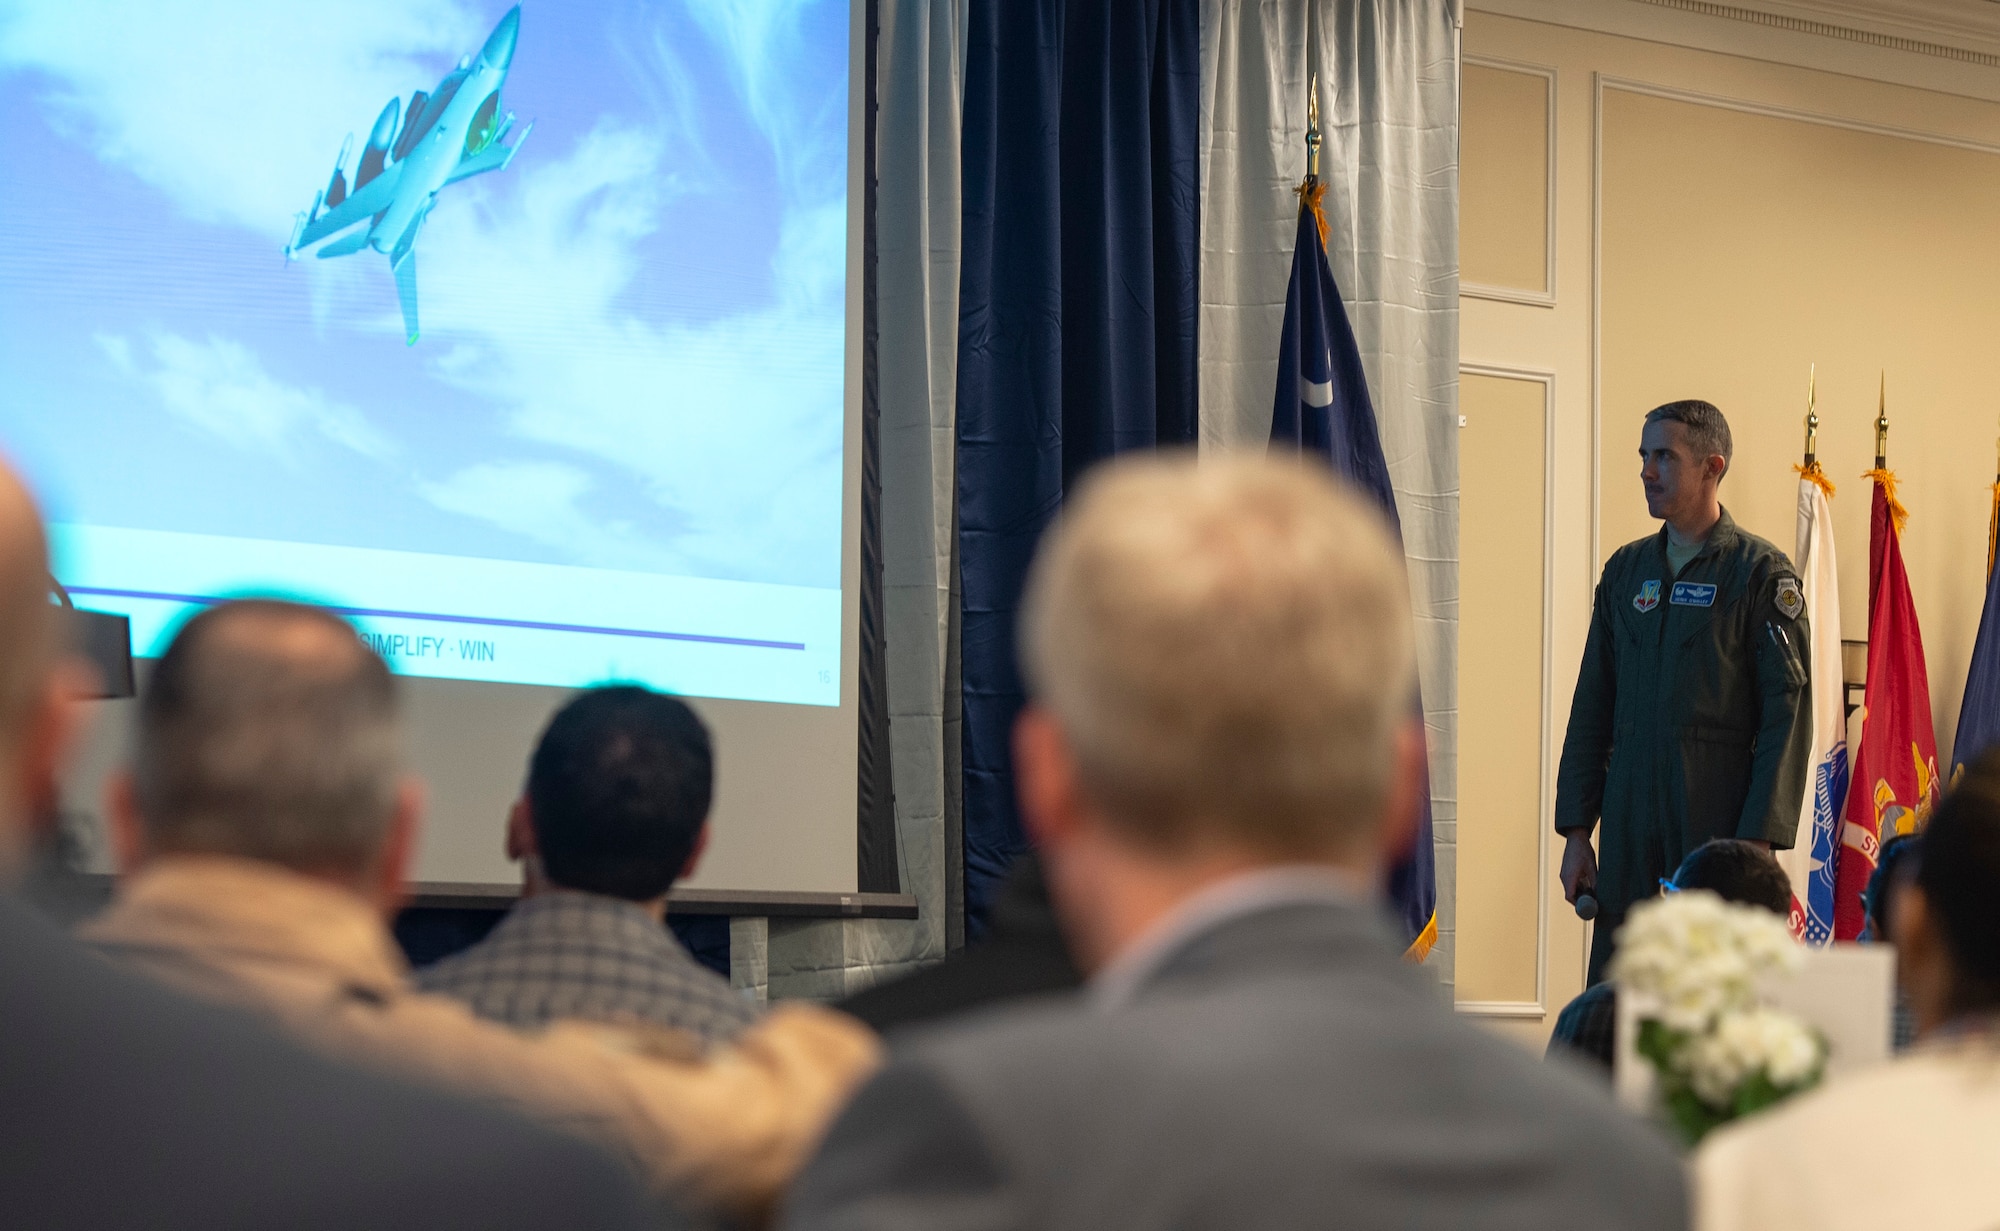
[[1077, 309]]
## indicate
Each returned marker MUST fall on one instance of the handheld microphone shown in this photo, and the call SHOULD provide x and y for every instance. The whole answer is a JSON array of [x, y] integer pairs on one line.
[[1586, 906]]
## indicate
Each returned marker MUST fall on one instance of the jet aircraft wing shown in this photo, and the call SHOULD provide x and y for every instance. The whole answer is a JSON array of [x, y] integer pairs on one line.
[[406, 293], [403, 261], [361, 204], [494, 157]]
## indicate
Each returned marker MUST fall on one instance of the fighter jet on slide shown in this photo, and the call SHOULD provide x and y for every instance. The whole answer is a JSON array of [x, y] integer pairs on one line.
[[448, 135]]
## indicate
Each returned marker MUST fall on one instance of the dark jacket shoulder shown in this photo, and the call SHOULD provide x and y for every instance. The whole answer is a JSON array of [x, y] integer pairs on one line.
[[1023, 954], [210, 1121], [1758, 562]]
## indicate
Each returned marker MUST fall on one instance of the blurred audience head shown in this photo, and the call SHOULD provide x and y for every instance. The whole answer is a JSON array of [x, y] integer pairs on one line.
[[1893, 867], [1737, 871], [618, 795], [37, 684], [1946, 918], [269, 731], [1220, 661]]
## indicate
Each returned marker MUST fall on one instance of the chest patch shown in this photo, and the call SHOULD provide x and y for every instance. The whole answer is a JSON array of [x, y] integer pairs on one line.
[[1791, 603], [1693, 594], [1648, 596]]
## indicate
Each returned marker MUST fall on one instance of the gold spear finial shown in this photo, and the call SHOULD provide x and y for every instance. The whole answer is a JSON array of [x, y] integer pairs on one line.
[[1312, 129], [1882, 425], [1812, 416]]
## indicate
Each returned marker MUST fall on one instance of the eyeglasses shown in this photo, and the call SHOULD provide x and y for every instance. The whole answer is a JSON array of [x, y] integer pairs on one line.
[[1667, 886]]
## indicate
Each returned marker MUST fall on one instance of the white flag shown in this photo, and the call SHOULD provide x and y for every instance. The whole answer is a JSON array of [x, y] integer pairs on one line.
[[1810, 862]]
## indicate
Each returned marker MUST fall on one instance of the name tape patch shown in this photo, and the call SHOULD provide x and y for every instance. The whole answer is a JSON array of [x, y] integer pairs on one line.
[[1693, 594]]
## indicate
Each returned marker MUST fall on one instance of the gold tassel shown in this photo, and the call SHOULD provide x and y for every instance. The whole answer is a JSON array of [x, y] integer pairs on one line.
[[1993, 530], [1420, 948], [1817, 477], [1899, 515], [1311, 193]]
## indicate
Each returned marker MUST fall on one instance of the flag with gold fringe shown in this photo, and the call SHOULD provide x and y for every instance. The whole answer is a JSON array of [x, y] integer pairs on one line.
[[1323, 408], [1895, 779], [1979, 712], [1811, 863]]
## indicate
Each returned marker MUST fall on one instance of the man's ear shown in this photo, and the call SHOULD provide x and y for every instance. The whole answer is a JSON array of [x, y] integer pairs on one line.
[[391, 887], [50, 730], [521, 844], [694, 855], [129, 847], [1047, 781]]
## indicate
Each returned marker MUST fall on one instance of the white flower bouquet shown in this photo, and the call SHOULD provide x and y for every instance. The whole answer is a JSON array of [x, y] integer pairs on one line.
[[1693, 965]]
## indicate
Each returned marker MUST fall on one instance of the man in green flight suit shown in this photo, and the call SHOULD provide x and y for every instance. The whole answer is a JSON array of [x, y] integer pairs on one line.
[[1692, 717]]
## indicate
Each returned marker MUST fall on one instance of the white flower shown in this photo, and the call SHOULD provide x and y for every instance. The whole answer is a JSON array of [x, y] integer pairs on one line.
[[1742, 1044], [1713, 1067], [1697, 957]]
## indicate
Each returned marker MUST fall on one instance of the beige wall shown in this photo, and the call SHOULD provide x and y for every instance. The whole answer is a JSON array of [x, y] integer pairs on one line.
[[1720, 222], [1504, 240], [1502, 473]]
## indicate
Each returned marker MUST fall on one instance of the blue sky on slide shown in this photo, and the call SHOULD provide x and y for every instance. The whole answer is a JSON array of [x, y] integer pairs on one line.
[[632, 337]]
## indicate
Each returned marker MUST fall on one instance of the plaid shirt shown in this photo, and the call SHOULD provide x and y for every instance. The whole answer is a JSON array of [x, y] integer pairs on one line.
[[1587, 1028], [564, 954]]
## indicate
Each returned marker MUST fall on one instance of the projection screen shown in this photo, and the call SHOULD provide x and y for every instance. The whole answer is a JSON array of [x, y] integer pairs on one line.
[[527, 338]]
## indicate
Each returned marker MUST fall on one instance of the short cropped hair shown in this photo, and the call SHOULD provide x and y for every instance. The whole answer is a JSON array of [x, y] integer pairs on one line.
[[1707, 430], [618, 789], [1958, 868], [1228, 648], [1892, 871], [269, 730], [1737, 871]]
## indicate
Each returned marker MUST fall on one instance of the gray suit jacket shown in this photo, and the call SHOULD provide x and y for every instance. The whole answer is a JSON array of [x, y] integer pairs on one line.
[[1283, 1069]]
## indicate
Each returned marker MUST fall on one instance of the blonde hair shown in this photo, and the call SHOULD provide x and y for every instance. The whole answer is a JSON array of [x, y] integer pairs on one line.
[[1228, 647]]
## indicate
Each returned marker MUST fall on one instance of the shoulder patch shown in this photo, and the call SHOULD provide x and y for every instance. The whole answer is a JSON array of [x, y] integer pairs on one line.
[[1791, 602]]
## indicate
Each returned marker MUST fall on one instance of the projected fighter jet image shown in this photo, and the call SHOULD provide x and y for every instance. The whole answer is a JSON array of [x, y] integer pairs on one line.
[[450, 134]]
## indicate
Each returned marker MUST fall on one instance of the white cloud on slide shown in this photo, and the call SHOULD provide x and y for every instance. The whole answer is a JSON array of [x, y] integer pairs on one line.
[[731, 426], [541, 501], [238, 121], [218, 386]]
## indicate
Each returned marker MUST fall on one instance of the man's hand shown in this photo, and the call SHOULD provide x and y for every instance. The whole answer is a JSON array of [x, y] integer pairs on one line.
[[1579, 865]]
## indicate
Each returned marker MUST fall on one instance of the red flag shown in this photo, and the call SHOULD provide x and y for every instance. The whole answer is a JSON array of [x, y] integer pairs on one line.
[[1895, 780]]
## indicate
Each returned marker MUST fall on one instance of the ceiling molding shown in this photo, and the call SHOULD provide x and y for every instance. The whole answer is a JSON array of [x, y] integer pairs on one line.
[[1940, 20], [1937, 45], [1966, 32]]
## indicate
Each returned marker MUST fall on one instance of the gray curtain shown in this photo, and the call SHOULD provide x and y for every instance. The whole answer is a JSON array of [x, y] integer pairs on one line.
[[1388, 79], [1389, 93], [920, 87]]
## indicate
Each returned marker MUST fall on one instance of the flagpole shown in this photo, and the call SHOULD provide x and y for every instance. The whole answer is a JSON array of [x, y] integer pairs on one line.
[[1812, 418], [1882, 425], [1310, 191], [1312, 130]]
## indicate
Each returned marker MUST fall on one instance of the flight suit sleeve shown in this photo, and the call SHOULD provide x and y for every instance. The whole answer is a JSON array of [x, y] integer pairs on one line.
[[1586, 753], [1780, 759]]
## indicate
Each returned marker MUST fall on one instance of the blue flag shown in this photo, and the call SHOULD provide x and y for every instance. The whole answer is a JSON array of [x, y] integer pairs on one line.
[[1979, 713], [1323, 408]]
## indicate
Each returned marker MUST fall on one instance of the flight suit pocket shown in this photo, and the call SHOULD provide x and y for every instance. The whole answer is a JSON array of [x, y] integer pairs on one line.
[[1715, 777]]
